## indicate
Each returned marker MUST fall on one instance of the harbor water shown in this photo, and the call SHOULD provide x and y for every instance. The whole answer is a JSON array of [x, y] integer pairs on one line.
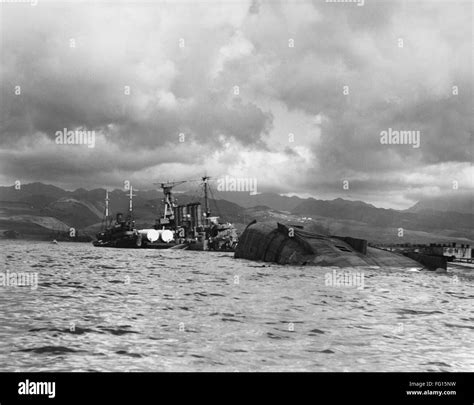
[[84, 308]]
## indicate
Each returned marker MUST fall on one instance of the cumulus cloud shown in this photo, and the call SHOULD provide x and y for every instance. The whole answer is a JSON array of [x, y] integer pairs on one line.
[[178, 89]]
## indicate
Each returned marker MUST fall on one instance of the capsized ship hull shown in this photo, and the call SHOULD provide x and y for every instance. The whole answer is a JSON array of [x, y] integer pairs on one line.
[[284, 244]]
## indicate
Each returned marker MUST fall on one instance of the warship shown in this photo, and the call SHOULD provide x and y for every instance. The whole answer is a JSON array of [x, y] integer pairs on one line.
[[292, 245], [178, 227], [121, 233]]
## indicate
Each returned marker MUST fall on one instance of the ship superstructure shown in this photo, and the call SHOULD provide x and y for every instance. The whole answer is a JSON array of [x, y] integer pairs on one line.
[[178, 226]]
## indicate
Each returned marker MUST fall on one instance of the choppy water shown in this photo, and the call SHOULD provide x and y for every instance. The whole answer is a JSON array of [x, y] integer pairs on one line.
[[97, 309]]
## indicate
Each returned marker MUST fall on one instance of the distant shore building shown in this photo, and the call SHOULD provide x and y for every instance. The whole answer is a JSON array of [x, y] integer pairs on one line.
[[452, 251]]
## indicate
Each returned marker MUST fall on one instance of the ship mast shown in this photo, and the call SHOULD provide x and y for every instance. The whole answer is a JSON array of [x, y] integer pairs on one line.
[[106, 207], [131, 195], [169, 203], [207, 211]]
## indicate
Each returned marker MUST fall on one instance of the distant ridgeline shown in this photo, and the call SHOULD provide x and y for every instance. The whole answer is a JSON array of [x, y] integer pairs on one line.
[[40, 211]]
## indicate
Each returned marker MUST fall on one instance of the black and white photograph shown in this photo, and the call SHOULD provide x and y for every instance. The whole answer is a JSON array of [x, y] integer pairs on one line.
[[236, 186]]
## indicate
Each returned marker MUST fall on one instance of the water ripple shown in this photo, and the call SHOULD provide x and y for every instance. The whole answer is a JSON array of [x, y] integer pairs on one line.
[[137, 310]]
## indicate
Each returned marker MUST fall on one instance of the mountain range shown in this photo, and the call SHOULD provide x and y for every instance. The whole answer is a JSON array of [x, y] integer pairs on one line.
[[38, 211]]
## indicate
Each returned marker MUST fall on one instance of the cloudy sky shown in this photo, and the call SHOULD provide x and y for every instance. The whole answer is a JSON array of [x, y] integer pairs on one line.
[[140, 73]]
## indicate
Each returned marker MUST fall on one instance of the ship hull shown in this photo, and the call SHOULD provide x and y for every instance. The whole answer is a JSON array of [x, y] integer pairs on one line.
[[207, 247], [283, 244]]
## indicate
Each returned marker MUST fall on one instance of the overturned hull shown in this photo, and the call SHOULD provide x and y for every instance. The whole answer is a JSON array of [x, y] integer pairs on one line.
[[283, 244]]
